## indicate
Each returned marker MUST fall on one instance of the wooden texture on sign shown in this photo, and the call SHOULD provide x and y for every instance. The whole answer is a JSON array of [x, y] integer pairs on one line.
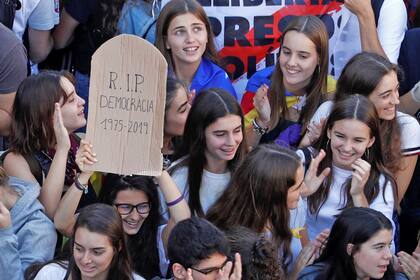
[[126, 106]]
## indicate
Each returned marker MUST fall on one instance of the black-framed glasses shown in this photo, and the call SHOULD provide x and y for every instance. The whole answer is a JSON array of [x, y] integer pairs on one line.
[[125, 208], [209, 270]]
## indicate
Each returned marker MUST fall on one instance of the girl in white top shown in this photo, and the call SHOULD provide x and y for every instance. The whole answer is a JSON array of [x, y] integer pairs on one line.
[[212, 145], [351, 139], [373, 76], [264, 189], [98, 249]]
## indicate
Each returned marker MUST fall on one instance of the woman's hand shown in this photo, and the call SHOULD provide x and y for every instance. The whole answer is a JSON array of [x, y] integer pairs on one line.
[[60, 131], [85, 156], [312, 181], [410, 264], [361, 172], [314, 130], [306, 257], [320, 241], [262, 105]]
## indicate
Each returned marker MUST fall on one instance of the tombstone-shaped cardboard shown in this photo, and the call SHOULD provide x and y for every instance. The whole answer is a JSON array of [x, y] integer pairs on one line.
[[126, 106]]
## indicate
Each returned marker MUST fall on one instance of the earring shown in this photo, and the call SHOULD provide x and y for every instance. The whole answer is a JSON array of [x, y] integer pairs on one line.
[[319, 69], [328, 144], [367, 153]]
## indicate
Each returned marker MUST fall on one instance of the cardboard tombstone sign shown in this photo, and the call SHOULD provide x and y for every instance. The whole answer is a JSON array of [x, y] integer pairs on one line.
[[126, 106]]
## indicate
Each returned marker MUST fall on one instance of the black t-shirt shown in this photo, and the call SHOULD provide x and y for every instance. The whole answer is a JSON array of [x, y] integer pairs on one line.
[[89, 35]]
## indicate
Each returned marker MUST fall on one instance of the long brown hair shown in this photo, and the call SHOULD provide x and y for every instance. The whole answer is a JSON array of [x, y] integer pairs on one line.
[[103, 219], [313, 28], [173, 9], [361, 75], [33, 111], [209, 106], [362, 109], [257, 195]]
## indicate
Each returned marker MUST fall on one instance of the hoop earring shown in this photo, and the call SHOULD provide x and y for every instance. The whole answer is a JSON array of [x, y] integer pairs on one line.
[[367, 153]]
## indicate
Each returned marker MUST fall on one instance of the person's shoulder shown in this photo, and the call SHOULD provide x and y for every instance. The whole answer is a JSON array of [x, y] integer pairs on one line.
[[400, 276], [137, 277], [311, 271], [410, 134], [51, 271]]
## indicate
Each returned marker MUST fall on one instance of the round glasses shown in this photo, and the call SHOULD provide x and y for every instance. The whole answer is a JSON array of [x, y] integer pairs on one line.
[[125, 208]]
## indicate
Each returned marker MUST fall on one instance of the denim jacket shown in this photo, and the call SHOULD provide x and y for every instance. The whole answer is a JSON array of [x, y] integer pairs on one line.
[[32, 236], [138, 17]]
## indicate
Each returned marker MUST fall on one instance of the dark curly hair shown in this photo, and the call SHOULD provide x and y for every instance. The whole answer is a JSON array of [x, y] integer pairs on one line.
[[259, 256]]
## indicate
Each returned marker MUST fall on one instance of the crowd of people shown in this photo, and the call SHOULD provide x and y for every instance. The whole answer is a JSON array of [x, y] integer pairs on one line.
[[311, 172]]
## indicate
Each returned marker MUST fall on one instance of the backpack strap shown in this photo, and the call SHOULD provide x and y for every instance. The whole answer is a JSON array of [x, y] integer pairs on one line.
[[35, 168]]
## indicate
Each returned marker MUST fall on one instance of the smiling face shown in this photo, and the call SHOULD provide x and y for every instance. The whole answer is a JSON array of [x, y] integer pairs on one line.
[[93, 253], [349, 139], [186, 39], [133, 221], [72, 110], [386, 96], [223, 138], [298, 60], [373, 257], [176, 116], [293, 193]]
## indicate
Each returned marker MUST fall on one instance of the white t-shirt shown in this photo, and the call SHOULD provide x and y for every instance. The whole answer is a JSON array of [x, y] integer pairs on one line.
[[337, 199], [296, 224], [37, 14], [212, 185], [54, 271], [409, 128], [163, 260], [345, 42]]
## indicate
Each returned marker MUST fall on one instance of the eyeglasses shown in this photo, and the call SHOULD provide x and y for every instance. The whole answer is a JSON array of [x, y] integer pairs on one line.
[[206, 271], [125, 209]]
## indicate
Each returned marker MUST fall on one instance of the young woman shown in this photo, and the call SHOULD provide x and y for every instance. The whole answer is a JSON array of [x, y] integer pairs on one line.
[[98, 249], [212, 145], [177, 108], [185, 38], [137, 201], [375, 77], [41, 149], [261, 195], [352, 141], [279, 100], [356, 250]]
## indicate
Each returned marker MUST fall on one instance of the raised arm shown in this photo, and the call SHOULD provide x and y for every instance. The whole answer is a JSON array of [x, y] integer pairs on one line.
[[178, 207], [63, 33], [65, 218], [261, 123]]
